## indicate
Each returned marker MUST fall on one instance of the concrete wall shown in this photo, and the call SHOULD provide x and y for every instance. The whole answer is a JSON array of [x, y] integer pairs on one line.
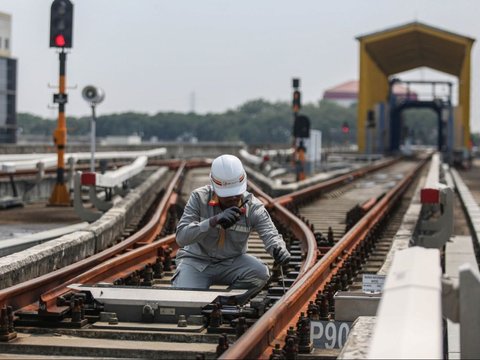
[[174, 149]]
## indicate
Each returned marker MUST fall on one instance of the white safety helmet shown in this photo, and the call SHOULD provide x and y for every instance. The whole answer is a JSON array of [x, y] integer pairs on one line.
[[228, 176]]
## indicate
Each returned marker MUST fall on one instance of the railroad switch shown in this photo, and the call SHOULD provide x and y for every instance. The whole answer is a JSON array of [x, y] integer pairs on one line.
[[132, 303]]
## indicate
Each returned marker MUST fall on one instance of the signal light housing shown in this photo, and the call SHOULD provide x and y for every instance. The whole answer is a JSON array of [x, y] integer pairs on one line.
[[61, 24]]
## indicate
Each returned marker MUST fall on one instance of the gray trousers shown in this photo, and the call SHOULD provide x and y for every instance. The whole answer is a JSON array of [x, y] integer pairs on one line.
[[246, 272]]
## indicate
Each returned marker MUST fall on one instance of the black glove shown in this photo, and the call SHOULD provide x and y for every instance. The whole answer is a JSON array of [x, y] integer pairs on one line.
[[281, 255], [227, 217]]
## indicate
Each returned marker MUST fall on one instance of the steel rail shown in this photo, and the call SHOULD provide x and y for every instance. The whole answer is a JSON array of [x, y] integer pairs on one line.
[[125, 263], [315, 190], [25, 293], [272, 326]]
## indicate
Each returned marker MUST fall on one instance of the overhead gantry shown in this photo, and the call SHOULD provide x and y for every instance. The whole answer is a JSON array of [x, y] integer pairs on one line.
[[403, 48]]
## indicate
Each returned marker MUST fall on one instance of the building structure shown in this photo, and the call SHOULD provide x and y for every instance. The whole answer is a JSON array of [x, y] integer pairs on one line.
[[346, 93], [8, 83]]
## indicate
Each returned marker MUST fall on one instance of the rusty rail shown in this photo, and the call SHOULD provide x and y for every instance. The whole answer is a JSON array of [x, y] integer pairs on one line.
[[271, 327], [125, 263]]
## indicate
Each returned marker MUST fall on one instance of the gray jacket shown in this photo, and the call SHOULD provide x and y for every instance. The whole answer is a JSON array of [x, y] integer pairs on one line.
[[199, 242]]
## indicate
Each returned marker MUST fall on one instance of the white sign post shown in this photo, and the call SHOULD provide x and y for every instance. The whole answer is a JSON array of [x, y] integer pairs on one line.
[[313, 144]]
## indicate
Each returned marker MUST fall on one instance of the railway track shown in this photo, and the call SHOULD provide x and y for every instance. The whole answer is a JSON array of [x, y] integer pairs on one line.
[[328, 248]]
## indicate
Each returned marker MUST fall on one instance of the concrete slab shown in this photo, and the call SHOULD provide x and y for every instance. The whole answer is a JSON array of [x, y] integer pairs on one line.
[[453, 335], [459, 251], [359, 338], [64, 345]]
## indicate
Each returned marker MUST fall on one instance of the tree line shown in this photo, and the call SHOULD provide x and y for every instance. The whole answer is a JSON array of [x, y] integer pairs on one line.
[[254, 122]]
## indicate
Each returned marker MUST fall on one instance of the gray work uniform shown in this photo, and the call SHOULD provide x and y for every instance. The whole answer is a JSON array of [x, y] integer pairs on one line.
[[203, 260]]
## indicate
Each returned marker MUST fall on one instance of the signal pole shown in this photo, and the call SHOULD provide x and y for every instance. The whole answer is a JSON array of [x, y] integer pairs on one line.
[[93, 95], [299, 151], [61, 26], [60, 194]]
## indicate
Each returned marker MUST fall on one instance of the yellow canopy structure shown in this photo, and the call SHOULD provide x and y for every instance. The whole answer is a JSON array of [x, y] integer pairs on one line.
[[404, 48]]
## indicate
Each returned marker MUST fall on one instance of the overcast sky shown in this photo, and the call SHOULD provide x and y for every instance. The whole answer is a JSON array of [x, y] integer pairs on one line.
[[153, 55]]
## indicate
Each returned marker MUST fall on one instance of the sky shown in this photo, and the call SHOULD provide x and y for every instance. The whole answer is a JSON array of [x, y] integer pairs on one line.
[[154, 56]]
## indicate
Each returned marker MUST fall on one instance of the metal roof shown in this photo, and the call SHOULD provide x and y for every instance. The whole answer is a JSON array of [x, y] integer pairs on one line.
[[350, 88], [415, 44]]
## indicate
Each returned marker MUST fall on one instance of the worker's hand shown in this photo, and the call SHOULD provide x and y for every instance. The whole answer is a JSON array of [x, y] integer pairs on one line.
[[281, 255], [227, 217]]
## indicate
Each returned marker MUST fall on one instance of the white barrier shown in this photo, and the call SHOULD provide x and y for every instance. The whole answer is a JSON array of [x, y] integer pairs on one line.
[[116, 177], [115, 183], [409, 319], [14, 162], [12, 166], [250, 158]]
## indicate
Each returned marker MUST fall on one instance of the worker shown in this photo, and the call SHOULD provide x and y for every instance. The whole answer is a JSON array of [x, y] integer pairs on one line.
[[213, 231]]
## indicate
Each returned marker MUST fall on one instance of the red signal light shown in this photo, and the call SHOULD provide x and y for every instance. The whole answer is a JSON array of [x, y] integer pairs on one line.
[[345, 128], [60, 40]]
